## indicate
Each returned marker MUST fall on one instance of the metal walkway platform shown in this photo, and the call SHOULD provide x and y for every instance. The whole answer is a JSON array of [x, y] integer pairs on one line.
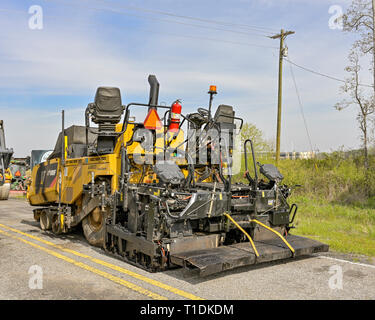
[[223, 258]]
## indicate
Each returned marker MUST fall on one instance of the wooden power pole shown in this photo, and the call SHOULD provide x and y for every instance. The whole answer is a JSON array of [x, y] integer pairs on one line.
[[283, 34]]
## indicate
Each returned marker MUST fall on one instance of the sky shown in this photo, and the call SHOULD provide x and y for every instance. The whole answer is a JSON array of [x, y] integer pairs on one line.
[[85, 44]]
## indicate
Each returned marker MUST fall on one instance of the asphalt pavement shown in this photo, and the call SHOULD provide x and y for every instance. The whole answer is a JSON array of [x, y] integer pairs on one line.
[[35, 264]]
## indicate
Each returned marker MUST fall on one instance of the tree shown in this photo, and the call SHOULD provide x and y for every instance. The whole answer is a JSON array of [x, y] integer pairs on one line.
[[358, 98], [360, 19], [250, 131]]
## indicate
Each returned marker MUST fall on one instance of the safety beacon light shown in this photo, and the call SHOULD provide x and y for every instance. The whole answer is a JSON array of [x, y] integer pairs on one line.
[[174, 124], [212, 90]]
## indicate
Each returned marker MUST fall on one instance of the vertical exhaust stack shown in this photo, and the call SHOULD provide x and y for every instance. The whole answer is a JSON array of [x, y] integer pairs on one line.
[[152, 121], [154, 91]]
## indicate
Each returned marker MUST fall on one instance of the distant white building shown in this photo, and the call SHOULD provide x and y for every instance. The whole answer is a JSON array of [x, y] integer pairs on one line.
[[289, 155], [297, 155]]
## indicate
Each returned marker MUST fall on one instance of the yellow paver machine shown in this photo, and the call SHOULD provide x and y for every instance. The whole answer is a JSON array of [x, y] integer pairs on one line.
[[158, 196]]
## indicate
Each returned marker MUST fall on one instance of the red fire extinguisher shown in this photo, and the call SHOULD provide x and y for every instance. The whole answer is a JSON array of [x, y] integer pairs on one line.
[[174, 123]]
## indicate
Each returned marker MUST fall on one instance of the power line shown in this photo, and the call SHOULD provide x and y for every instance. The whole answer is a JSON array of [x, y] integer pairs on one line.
[[229, 24], [162, 20], [164, 33], [324, 75], [301, 107], [218, 40]]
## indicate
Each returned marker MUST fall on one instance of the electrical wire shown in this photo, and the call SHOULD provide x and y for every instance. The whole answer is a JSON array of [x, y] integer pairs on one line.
[[323, 75], [211, 21], [301, 106], [167, 33], [218, 40], [157, 19]]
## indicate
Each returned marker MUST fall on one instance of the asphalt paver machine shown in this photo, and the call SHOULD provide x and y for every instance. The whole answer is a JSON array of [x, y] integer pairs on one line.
[[158, 196]]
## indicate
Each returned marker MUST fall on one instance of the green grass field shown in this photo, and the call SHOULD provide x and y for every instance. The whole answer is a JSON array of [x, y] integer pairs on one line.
[[346, 228], [335, 205]]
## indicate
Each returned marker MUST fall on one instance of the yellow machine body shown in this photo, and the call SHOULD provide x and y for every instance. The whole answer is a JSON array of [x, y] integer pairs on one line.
[[76, 172]]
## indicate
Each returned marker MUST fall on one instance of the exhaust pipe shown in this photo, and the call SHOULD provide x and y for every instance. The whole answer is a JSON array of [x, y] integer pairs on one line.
[[154, 90]]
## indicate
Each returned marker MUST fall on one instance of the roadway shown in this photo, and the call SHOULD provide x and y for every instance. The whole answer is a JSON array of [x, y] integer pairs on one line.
[[69, 268]]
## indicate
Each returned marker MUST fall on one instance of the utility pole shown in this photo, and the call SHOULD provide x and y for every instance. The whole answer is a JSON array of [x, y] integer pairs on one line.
[[283, 34]]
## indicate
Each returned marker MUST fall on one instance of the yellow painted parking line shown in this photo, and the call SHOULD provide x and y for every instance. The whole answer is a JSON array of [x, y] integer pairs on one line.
[[111, 266], [84, 266]]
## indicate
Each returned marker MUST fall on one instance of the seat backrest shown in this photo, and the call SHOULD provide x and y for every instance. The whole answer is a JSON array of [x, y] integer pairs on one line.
[[224, 114]]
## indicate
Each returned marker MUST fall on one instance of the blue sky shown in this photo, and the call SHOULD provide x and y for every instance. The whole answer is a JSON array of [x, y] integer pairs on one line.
[[85, 44]]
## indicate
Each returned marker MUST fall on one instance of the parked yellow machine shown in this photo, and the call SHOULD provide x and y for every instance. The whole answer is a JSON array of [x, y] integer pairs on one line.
[[5, 173], [5, 187], [146, 193]]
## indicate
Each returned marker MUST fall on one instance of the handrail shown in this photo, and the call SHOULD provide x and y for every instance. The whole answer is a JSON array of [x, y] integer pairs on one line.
[[255, 182], [275, 232], [246, 234]]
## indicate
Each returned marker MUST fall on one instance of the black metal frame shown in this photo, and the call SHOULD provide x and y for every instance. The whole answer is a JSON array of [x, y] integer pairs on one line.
[[251, 180]]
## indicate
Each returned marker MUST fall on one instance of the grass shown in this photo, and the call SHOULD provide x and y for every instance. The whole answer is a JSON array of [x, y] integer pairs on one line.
[[336, 206], [346, 228]]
